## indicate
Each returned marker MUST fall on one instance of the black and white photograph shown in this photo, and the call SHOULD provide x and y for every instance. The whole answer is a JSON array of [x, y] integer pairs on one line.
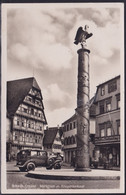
[[62, 98]]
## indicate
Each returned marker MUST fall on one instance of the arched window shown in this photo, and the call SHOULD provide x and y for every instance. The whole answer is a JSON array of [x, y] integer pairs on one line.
[[68, 141], [73, 140], [65, 141]]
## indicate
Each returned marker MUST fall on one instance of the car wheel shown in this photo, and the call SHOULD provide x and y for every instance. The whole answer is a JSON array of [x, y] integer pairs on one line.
[[30, 166], [22, 169], [57, 166]]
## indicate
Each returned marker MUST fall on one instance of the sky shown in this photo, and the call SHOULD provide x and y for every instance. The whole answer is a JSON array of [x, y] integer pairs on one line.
[[40, 44]]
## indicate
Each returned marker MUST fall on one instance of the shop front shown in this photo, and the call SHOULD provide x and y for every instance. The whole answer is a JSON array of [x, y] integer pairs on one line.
[[109, 153]]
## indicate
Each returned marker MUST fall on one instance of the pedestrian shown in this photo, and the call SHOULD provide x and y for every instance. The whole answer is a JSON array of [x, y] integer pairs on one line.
[[110, 160], [104, 162], [74, 160]]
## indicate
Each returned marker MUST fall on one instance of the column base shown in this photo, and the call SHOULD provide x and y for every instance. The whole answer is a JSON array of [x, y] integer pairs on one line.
[[82, 169]]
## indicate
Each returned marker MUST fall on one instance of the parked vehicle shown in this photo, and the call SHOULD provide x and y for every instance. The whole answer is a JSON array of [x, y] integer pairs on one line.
[[55, 161], [29, 159]]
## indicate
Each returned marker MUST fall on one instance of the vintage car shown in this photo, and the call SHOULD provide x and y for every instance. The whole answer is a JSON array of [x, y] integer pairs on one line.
[[30, 158]]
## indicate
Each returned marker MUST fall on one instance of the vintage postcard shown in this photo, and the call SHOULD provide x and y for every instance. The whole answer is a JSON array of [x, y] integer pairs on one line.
[[62, 98]]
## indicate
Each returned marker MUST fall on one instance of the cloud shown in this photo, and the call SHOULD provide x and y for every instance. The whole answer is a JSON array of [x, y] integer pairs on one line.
[[58, 116], [19, 52], [55, 97], [37, 40]]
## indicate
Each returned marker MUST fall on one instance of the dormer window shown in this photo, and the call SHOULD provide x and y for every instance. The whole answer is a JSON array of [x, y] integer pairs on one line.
[[102, 90], [70, 126], [112, 86]]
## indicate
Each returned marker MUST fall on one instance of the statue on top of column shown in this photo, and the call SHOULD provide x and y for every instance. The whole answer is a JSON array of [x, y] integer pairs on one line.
[[82, 35]]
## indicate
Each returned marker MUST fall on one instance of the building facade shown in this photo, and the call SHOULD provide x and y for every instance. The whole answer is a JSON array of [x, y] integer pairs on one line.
[[107, 137], [52, 141], [25, 116], [70, 135]]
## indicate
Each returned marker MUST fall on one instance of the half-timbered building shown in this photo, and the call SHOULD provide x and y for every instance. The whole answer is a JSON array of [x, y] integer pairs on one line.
[[25, 116]]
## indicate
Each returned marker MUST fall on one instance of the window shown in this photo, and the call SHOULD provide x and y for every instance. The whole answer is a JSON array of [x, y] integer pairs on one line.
[[102, 90], [72, 140], [15, 135], [65, 141], [70, 126], [29, 124], [112, 86], [32, 125], [36, 113], [22, 123], [42, 153], [74, 125], [21, 137], [27, 137], [30, 138], [36, 140], [109, 128], [118, 101], [25, 110], [102, 130], [32, 111], [109, 131], [108, 105], [118, 127], [29, 99], [68, 140], [33, 153], [18, 122], [102, 110]]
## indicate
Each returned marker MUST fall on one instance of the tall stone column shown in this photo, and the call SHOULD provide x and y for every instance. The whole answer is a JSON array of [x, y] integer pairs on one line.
[[82, 153]]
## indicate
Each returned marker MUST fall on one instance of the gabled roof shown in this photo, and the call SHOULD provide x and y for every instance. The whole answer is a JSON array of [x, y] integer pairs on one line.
[[16, 92], [70, 119], [49, 135], [116, 77]]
